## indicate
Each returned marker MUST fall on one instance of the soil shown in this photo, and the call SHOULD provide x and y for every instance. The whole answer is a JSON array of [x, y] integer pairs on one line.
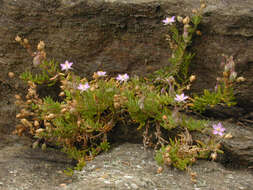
[[125, 166]]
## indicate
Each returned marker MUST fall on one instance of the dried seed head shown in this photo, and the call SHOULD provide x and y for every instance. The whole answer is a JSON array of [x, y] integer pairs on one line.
[[192, 78], [47, 124], [41, 46], [116, 105], [40, 130], [186, 20], [228, 136], [29, 101], [225, 74], [240, 79], [63, 110], [18, 39], [26, 41], [26, 123], [50, 116], [62, 94], [159, 170], [214, 156], [18, 102], [11, 75], [36, 123], [18, 97], [19, 115], [92, 88]]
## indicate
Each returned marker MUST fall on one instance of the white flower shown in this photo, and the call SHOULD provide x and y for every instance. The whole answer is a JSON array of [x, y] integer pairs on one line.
[[122, 78], [83, 87], [181, 98]]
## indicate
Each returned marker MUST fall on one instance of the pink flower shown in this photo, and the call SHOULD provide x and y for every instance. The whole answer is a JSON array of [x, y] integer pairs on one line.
[[101, 73], [169, 20], [122, 78], [218, 129], [66, 66], [181, 97], [83, 87]]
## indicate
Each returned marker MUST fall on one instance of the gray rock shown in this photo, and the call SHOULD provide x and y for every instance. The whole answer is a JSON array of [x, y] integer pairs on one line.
[[127, 36], [239, 149]]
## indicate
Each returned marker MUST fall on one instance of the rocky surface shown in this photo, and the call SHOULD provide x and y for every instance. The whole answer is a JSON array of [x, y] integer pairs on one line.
[[125, 166], [127, 36]]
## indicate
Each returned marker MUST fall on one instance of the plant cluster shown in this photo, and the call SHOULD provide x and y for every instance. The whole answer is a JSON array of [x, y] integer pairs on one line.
[[86, 111]]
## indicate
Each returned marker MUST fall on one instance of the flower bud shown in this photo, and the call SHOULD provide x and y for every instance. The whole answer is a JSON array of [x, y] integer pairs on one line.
[[137, 88], [62, 94], [63, 110], [35, 144], [47, 124], [165, 117], [116, 105], [26, 41], [50, 116], [11, 75], [214, 156], [179, 19], [44, 147], [198, 33], [186, 20], [18, 39], [203, 5], [41, 45], [19, 115], [36, 123], [29, 101], [167, 161], [26, 123], [228, 136], [159, 170], [192, 78], [233, 76], [168, 148], [39, 130], [194, 11], [18, 97]]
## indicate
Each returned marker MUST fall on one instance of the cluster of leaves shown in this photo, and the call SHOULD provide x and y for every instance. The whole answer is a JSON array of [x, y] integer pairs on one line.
[[179, 42], [47, 70], [87, 111]]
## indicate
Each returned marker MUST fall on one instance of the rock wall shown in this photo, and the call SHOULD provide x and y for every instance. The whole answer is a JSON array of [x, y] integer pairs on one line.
[[124, 36]]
